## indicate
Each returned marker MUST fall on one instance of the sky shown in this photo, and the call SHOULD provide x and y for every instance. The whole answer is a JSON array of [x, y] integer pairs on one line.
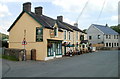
[[69, 9]]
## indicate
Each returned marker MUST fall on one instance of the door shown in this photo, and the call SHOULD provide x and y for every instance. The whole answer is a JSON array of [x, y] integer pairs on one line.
[[54, 49], [112, 44], [33, 54]]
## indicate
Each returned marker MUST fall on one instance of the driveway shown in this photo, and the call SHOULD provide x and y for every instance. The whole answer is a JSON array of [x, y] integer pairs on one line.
[[97, 64]]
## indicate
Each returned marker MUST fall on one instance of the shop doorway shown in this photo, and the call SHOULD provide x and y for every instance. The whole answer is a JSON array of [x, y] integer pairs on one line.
[[54, 48]]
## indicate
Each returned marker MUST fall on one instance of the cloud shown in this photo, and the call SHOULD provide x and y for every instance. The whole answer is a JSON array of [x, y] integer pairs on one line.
[[114, 18], [7, 1], [91, 12], [68, 21], [4, 26], [3, 30], [93, 5], [4, 10], [70, 5], [72, 8]]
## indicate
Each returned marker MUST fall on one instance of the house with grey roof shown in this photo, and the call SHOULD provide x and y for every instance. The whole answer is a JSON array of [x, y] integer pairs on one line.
[[100, 34], [49, 37]]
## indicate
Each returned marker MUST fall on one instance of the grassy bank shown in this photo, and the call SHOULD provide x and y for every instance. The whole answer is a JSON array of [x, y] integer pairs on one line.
[[13, 58]]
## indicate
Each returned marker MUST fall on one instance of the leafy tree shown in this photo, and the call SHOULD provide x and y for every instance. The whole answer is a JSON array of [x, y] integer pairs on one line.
[[84, 30], [116, 28], [3, 41]]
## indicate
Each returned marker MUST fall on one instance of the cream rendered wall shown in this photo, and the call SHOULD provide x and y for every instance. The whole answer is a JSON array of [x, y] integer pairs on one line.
[[16, 36], [74, 39], [27, 23]]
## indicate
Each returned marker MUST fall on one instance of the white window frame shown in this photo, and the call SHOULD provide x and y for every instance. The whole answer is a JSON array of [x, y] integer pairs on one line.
[[65, 35], [56, 32], [99, 36], [69, 35], [76, 35], [106, 36], [109, 36]]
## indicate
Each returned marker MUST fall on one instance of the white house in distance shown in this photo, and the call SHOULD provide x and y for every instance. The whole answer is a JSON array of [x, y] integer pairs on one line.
[[100, 34]]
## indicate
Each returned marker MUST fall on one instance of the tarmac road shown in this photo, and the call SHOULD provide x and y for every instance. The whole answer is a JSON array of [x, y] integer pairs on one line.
[[96, 64]]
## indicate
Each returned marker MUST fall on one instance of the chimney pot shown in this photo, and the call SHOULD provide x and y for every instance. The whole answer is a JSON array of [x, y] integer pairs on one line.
[[38, 10], [106, 25], [60, 18], [27, 6], [76, 24]]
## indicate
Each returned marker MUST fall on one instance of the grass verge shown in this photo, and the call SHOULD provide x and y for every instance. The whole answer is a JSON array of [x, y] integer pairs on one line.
[[13, 58]]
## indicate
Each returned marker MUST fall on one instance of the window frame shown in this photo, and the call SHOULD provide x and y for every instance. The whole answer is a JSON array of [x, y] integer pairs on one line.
[[117, 36], [110, 45], [99, 36], [69, 38], [106, 36], [76, 35], [109, 36], [56, 31], [90, 37], [106, 44], [65, 35], [114, 36]]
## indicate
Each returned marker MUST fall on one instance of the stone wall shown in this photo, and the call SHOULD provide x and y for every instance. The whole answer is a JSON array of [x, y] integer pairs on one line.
[[18, 53]]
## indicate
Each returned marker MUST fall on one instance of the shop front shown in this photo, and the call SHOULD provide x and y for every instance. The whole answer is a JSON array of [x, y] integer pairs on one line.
[[54, 48]]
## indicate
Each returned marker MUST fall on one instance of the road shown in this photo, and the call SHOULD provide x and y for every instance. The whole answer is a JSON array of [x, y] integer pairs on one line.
[[97, 64]]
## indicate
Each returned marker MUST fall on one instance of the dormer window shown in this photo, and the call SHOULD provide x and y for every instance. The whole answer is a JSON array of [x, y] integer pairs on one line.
[[55, 30]]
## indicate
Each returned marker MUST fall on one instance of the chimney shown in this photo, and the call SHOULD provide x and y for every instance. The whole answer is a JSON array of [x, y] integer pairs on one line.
[[106, 25], [76, 24], [60, 18], [38, 10], [27, 6]]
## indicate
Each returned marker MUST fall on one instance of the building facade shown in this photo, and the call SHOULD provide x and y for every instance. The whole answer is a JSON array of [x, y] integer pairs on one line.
[[48, 36], [99, 34]]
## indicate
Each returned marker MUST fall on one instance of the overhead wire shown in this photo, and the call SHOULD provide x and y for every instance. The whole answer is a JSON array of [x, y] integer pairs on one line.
[[101, 11], [82, 11]]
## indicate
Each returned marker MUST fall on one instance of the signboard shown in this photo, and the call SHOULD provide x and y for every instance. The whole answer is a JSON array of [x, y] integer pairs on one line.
[[52, 35], [39, 34]]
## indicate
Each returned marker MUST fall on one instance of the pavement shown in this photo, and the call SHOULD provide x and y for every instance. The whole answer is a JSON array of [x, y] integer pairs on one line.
[[96, 64]]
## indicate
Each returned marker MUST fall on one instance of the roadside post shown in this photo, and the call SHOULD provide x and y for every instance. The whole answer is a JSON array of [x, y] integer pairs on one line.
[[24, 43]]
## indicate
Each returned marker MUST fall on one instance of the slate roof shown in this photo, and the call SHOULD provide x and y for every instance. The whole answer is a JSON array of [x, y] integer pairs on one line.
[[72, 27], [48, 22], [105, 29]]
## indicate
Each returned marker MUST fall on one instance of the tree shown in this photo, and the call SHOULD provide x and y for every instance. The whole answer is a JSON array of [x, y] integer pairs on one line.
[[116, 28], [84, 30], [3, 40]]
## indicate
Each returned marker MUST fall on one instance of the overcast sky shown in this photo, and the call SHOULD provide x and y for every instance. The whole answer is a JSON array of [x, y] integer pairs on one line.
[[69, 9]]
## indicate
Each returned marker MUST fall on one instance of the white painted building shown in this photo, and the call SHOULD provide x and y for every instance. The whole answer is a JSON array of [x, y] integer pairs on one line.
[[99, 34]]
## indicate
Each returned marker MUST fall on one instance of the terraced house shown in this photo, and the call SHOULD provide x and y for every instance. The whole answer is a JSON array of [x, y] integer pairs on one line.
[[49, 37]]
